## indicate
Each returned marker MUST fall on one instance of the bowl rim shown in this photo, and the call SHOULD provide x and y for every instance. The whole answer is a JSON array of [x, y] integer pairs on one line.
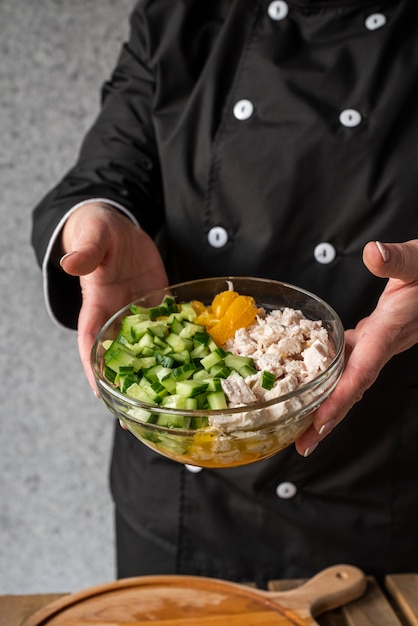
[[102, 381]]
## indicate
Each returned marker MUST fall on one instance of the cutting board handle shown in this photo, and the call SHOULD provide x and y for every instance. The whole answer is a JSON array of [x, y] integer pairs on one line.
[[330, 589]]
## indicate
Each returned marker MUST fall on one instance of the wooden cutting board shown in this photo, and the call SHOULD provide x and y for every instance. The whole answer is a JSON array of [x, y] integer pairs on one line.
[[198, 601]]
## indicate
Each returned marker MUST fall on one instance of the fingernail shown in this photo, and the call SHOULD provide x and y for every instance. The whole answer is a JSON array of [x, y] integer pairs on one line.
[[384, 253], [65, 256], [326, 428], [310, 449]]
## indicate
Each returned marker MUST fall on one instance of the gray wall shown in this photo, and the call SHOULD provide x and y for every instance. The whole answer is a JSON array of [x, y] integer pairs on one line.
[[56, 526]]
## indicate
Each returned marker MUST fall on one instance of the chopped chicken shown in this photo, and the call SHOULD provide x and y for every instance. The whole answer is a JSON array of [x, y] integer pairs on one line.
[[285, 343]]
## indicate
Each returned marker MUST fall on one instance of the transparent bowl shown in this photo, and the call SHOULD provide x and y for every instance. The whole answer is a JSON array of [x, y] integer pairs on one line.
[[227, 447]]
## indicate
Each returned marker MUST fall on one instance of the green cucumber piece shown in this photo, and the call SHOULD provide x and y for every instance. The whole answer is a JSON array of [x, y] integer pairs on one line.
[[217, 400], [182, 372], [219, 371], [151, 373], [175, 342], [236, 362], [168, 420], [267, 379], [201, 338], [190, 388], [176, 325], [118, 355], [128, 323], [199, 421], [190, 329], [169, 383], [187, 311], [214, 358]]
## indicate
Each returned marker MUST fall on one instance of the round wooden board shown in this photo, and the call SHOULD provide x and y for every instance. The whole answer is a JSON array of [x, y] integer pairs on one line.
[[197, 601], [165, 601]]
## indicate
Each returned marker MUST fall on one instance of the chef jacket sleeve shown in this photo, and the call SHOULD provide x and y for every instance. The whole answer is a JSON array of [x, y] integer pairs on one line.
[[118, 161]]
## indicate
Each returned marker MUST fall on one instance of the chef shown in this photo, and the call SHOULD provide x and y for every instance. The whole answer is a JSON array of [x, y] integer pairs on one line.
[[273, 139]]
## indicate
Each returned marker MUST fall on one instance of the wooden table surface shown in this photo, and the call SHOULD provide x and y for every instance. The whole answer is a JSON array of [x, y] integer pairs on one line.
[[393, 604]]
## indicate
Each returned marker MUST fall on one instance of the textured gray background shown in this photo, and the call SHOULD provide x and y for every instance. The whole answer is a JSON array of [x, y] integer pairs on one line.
[[56, 525]]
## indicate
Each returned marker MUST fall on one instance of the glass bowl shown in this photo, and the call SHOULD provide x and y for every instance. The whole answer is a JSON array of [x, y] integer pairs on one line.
[[238, 439]]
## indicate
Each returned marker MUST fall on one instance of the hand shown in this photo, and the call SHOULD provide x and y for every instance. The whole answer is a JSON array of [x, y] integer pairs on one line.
[[116, 262], [390, 329]]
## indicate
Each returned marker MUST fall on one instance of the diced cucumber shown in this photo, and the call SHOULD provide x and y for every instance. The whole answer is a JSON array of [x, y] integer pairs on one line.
[[158, 311], [176, 325], [236, 362], [217, 400], [151, 373], [145, 362], [142, 415], [214, 358], [267, 379], [173, 421], [169, 382], [176, 343], [136, 309], [201, 338], [199, 421], [169, 301], [129, 322], [139, 392], [148, 352], [118, 355], [247, 370], [147, 340], [163, 372], [164, 359], [181, 357], [199, 352], [172, 445], [182, 372], [159, 389], [174, 401], [214, 384], [110, 374], [190, 388], [219, 371], [190, 329], [156, 328], [201, 375], [127, 381], [187, 311]]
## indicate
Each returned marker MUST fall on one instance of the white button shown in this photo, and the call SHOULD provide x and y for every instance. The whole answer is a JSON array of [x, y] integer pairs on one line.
[[195, 469], [286, 490], [278, 10], [376, 20], [350, 118], [324, 253], [243, 109], [217, 237]]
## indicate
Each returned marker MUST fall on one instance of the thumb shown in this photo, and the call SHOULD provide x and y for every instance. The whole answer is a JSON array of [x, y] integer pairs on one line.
[[392, 260], [82, 261]]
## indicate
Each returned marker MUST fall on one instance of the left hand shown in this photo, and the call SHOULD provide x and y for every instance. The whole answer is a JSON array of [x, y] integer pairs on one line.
[[390, 329]]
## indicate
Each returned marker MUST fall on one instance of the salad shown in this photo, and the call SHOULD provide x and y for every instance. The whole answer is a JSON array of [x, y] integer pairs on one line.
[[190, 356]]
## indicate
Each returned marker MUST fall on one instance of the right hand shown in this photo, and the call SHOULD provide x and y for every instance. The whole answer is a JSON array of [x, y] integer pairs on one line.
[[116, 261]]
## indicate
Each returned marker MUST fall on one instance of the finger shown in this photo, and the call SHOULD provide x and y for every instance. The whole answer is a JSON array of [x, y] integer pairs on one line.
[[83, 261], [363, 367], [392, 260], [91, 319]]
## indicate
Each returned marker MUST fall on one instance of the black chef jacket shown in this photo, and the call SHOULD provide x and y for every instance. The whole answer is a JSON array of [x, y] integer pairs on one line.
[[274, 139]]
